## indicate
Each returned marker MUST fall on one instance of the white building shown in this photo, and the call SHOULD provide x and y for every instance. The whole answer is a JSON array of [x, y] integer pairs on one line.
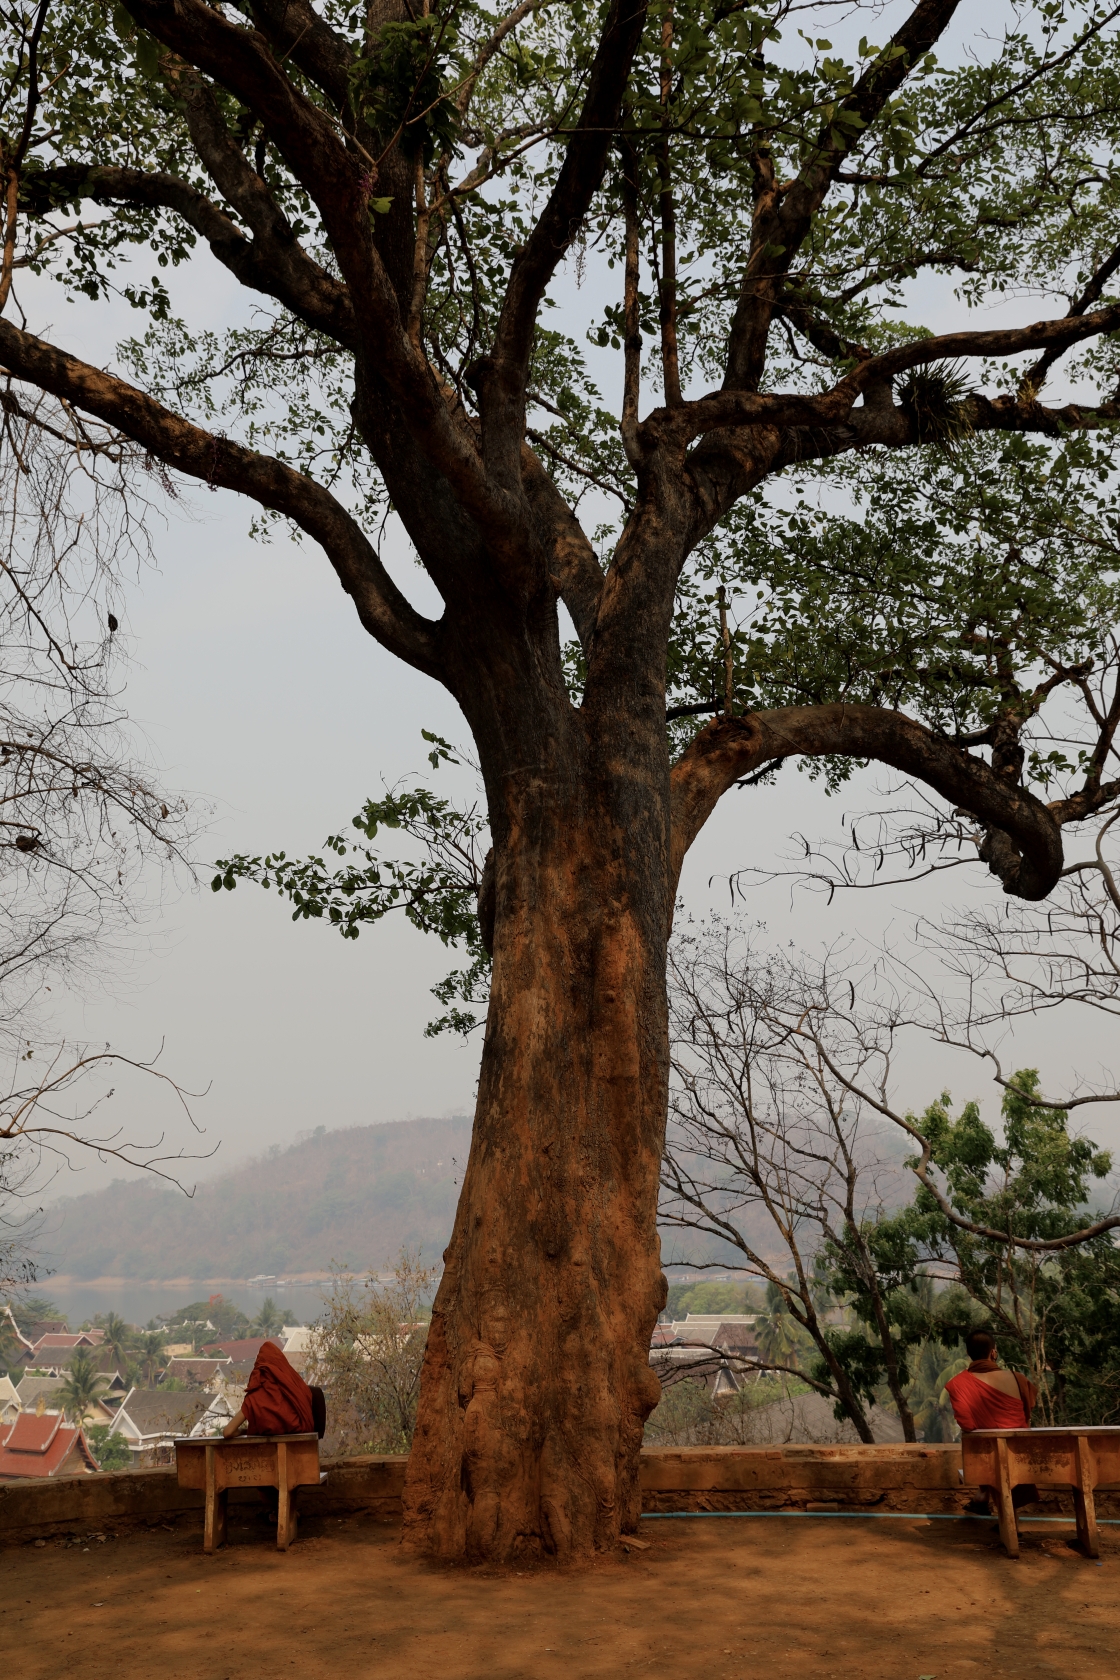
[[150, 1421]]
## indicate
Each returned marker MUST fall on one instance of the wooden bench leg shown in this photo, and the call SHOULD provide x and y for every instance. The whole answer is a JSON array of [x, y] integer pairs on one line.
[[1084, 1505], [286, 1517], [287, 1527], [214, 1522], [1008, 1530]]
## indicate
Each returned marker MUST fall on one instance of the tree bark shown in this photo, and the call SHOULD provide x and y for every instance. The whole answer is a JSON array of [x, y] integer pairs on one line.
[[537, 1381]]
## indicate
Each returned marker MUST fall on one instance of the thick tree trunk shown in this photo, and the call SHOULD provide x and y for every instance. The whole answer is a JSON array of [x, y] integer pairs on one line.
[[537, 1382]]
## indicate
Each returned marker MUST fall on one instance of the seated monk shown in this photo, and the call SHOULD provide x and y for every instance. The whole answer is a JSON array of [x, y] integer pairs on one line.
[[988, 1397], [277, 1400]]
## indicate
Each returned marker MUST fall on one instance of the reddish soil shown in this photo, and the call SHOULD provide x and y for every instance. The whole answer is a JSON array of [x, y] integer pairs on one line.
[[731, 1598]]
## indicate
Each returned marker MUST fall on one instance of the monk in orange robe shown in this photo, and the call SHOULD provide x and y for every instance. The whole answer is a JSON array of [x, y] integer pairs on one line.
[[987, 1396], [277, 1400]]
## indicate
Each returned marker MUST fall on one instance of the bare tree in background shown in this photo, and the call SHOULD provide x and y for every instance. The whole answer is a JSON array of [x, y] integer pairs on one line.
[[81, 818], [768, 1149], [1018, 963], [780, 1144], [79, 815], [366, 1356]]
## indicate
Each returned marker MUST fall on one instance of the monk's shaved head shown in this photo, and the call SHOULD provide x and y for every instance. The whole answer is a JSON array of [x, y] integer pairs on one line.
[[980, 1344]]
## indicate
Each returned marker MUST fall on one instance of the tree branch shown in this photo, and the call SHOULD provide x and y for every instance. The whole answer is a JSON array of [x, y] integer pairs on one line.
[[502, 376], [339, 183], [575, 571], [785, 216], [383, 610], [312, 45], [730, 748], [719, 410]]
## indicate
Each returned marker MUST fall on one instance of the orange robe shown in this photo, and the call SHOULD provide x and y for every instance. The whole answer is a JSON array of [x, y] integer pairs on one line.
[[277, 1400], [977, 1405]]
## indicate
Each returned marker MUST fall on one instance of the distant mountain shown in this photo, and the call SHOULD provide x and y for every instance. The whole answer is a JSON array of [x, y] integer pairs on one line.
[[354, 1196]]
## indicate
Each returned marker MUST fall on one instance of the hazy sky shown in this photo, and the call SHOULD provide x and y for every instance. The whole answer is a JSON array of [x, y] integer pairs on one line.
[[259, 694]]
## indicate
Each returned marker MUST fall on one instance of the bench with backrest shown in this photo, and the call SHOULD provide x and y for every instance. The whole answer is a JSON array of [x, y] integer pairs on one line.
[[285, 1462], [1081, 1457]]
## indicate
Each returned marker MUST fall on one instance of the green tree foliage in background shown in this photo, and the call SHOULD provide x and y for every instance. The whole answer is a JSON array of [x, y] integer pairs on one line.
[[203, 1322], [110, 1451], [714, 1296], [270, 1320], [1056, 1311], [81, 1388]]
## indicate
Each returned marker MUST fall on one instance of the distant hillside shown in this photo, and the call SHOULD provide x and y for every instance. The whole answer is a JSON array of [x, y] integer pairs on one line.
[[354, 1196]]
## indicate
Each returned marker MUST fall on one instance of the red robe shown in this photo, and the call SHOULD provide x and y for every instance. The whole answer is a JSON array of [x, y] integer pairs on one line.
[[277, 1400], [977, 1405]]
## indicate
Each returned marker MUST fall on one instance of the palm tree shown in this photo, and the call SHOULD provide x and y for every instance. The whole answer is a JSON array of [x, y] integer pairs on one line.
[[781, 1339], [270, 1319], [926, 1396], [150, 1351], [10, 1349], [118, 1338], [79, 1391]]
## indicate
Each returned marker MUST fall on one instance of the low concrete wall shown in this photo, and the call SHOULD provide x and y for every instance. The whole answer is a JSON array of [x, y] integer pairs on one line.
[[803, 1478], [116, 1500], [889, 1478]]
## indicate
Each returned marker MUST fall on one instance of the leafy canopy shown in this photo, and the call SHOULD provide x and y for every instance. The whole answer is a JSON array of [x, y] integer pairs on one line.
[[989, 169]]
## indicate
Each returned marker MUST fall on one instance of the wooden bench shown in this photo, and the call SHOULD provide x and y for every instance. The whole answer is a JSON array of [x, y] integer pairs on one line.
[[285, 1462], [1081, 1458]]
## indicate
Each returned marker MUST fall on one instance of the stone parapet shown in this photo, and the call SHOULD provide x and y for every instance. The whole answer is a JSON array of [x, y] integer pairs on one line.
[[115, 1500], [798, 1478], [889, 1478]]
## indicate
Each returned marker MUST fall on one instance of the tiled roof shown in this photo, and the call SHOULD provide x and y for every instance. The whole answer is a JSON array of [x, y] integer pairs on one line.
[[197, 1370], [238, 1372], [247, 1348], [148, 1412], [30, 1389], [63, 1341], [710, 1330], [45, 1327], [40, 1444]]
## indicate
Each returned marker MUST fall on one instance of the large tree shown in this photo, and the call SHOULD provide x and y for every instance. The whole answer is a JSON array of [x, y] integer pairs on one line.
[[399, 186]]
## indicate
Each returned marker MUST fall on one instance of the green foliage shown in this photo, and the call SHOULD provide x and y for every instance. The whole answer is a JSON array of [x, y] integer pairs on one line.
[[29, 1310], [204, 1322], [684, 1411], [110, 1451], [713, 1297], [954, 589], [438, 894], [1055, 1313], [120, 1338], [398, 89], [150, 1354], [782, 1340], [81, 1387], [270, 1320], [934, 1367], [688, 1416]]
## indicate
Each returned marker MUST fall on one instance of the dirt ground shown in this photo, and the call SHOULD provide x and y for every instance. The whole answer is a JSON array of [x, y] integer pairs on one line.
[[736, 1597]]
